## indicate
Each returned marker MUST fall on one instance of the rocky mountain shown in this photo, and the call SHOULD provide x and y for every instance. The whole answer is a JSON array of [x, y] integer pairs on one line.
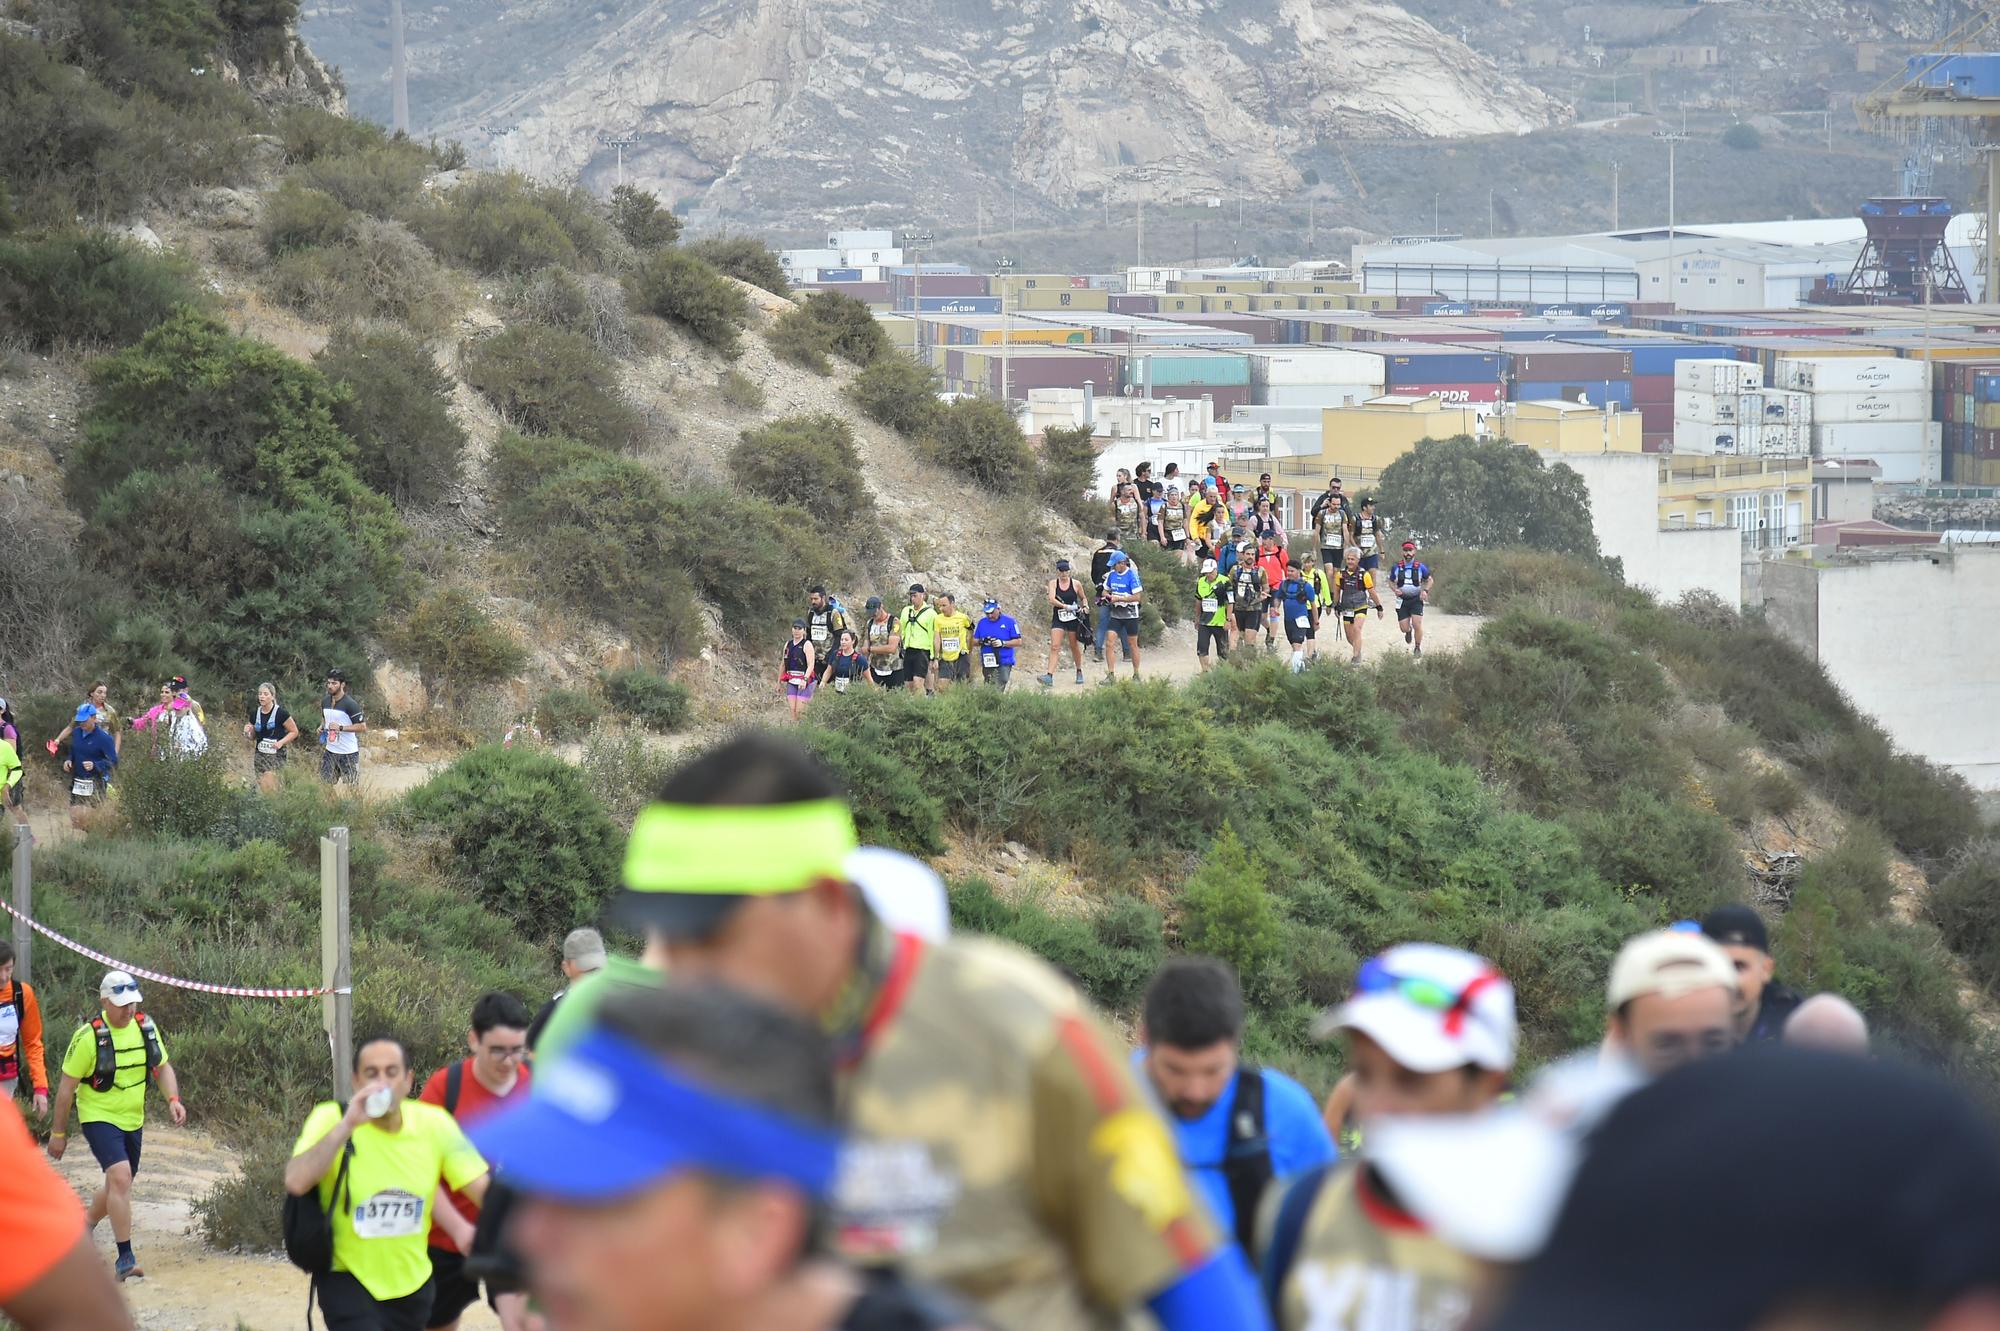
[[791, 110]]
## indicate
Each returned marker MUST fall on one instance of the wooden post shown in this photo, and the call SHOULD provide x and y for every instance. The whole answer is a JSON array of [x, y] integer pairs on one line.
[[336, 959], [24, 899]]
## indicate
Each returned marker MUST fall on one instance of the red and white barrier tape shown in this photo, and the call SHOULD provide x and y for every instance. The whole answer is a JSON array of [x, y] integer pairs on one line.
[[231, 990]]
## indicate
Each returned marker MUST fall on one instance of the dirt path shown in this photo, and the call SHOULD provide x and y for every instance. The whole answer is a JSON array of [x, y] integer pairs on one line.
[[188, 1287]]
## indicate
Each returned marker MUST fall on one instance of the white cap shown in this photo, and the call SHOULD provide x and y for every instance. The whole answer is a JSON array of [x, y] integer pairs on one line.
[[903, 892], [119, 988], [1670, 963], [1431, 1009], [1208, 566]]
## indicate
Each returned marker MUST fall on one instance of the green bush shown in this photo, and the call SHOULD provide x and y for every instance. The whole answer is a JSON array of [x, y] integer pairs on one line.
[[656, 702], [503, 224], [794, 337], [641, 220], [522, 832], [397, 408], [454, 644], [1066, 473], [809, 462], [1112, 957], [309, 132], [1226, 912], [379, 271], [381, 180], [899, 393], [681, 289], [745, 259], [739, 390], [1683, 857], [164, 793], [1965, 906], [847, 327], [591, 306], [237, 1213], [547, 381], [297, 217], [598, 533], [568, 714], [979, 438], [1169, 584], [1742, 137], [623, 770], [86, 288], [775, 553], [891, 806], [1486, 494]]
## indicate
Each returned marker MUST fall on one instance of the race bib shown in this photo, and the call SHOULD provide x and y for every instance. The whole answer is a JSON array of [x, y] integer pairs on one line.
[[840, 683], [1368, 543], [818, 634], [267, 746], [1209, 605], [1125, 611], [1303, 621], [949, 646], [889, 1199], [389, 1214], [10, 1025], [85, 786], [991, 660], [1066, 612], [1177, 534]]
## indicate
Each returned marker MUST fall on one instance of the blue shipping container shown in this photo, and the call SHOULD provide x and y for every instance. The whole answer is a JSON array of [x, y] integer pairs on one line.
[[840, 274], [1596, 391], [961, 305], [1457, 367], [1447, 307], [1178, 371]]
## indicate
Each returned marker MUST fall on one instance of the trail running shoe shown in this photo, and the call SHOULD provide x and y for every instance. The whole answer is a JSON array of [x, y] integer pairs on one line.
[[1079, 677], [1048, 681], [128, 1269]]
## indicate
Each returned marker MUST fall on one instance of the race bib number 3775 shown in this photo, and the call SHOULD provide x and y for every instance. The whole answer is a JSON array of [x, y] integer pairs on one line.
[[389, 1214]]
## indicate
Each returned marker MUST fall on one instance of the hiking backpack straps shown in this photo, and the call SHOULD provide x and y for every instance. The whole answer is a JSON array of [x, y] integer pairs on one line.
[[105, 1075], [1246, 1160], [308, 1228], [1290, 1230], [10, 1064], [454, 1081]]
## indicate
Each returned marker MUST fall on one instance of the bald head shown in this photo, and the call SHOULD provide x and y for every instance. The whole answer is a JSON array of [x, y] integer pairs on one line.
[[1830, 1022]]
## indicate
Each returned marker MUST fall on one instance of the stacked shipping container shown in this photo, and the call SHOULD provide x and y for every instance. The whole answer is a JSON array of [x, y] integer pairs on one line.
[[1876, 408]]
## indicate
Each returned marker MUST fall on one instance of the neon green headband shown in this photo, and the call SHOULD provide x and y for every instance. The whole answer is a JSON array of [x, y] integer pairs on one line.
[[743, 850]]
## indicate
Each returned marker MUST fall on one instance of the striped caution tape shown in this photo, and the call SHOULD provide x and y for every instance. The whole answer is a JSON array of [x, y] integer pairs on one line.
[[231, 990]]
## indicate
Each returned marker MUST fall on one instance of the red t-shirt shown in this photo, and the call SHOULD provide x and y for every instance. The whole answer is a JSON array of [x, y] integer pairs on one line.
[[1276, 566], [474, 1103]]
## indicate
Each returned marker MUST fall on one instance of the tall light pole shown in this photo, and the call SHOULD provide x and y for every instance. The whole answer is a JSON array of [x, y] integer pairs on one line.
[[399, 72], [621, 142], [917, 242], [1006, 270], [1614, 194], [1671, 137]]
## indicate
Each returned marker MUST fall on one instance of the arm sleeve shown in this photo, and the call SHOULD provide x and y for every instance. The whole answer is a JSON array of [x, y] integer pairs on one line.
[[1106, 1174], [32, 1049], [1220, 1293], [40, 1218]]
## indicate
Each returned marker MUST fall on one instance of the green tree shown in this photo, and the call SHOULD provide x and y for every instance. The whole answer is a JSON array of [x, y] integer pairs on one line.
[[397, 409], [851, 329], [456, 646], [1742, 137], [682, 289], [1067, 472], [550, 381], [744, 258], [88, 288], [897, 392], [980, 438], [794, 337], [808, 461], [1226, 911], [1483, 494], [639, 217]]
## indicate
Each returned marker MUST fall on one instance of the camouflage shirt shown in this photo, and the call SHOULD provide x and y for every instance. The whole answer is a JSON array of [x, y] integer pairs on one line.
[[1363, 1264], [1003, 1148]]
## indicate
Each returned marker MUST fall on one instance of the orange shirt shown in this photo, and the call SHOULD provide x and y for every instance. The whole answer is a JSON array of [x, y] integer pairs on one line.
[[1276, 566], [26, 1044], [40, 1218]]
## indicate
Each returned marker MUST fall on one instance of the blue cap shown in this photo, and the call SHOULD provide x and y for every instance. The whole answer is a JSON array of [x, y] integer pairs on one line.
[[1119, 557], [85, 712], [991, 604], [611, 1118]]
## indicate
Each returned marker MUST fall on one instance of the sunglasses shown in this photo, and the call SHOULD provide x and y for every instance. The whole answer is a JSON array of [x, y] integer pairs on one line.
[[1454, 1004]]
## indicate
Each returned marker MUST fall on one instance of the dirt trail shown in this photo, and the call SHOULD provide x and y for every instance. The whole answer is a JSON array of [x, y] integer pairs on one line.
[[189, 1287]]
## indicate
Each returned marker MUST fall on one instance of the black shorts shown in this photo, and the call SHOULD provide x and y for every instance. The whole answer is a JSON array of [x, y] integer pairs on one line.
[[1331, 557], [346, 1305], [96, 790], [1204, 634], [888, 681], [112, 1145], [1061, 625], [455, 1293], [14, 794], [1295, 632], [916, 663], [1124, 628], [1249, 620], [1350, 615], [1371, 562], [958, 669], [1409, 607], [339, 769]]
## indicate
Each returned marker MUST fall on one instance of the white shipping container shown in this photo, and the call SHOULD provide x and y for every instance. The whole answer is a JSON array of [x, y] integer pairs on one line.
[[1843, 408], [865, 257], [1698, 437], [1316, 365], [1717, 376], [860, 240], [793, 260], [1909, 452], [1707, 408], [1853, 374], [1314, 395]]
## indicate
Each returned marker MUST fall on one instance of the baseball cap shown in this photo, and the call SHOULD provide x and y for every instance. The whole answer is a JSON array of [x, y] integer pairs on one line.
[[916, 587], [611, 1118], [3, 704], [84, 713], [1667, 962], [903, 891], [1736, 925], [335, 673], [1208, 566], [1119, 557], [874, 603], [1431, 1008], [989, 604], [1850, 1178], [1062, 566], [798, 623], [119, 987], [584, 949]]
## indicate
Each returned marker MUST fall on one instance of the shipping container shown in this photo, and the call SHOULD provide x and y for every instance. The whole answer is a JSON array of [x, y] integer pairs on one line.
[[1452, 394], [1593, 392], [1134, 303], [1273, 303], [1231, 304], [1719, 376], [1652, 390], [1061, 298], [1440, 365], [1557, 362], [1853, 374], [1321, 287], [1877, 440], [1256, 327], [1184, 366], [868, 293], [1314, 365], [1711, 408], [960, 305], [1655, 417], [1845, 408], [1315, 395]]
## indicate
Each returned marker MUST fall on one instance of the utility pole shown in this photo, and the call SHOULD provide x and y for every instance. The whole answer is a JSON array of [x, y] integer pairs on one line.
[[621, 142], [916, 242], [1672, 138], [1614, 194], [1312, 227], [1139, 246], [1489, 213], [1436, 230], [336, 957], [1006, 270], [399, 72]]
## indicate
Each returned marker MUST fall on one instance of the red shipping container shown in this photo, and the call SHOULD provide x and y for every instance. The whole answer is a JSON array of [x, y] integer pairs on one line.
[[1656, 443], [1657, 418], [1456, 395], [1652, 390], [1133, 303]]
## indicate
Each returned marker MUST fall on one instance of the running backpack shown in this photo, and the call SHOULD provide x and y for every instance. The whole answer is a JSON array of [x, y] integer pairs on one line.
[[309, 1226], [105, 1075]]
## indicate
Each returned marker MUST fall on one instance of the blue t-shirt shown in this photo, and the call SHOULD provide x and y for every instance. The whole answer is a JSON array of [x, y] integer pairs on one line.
[[1225, 559], [1123, 581], [996, 629], [1299, 597], [92, 746], [1292, 1122]]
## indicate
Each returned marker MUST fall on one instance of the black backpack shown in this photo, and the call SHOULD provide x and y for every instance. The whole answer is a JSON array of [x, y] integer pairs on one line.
[[1246, 1161], [309, 1226]]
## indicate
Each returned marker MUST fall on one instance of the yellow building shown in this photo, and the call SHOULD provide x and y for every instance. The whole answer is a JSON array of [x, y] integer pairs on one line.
[[1768, 498], [1371, 436], [1569, 427]]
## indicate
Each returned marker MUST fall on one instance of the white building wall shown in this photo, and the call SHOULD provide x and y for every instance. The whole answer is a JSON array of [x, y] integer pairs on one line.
[[1912, 639], [1625, 514]]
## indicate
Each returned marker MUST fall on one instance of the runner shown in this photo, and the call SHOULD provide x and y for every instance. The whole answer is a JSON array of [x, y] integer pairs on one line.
[[1276, 568], [107, 717], [953, 663], [21, 1035], [1175, 523], [104, 1071], [675, 1170], [1330, 498], [1330, 518], [1295, 605], [1264, 521], [1239, 506], [1248, 592], [1150, 492], [1069, 611], [797, 669], [1430, 1032], [1100, 568], [1763, 1003], [50, 1280], [997, 636], [11, 771], [1672, 1000], [916, 628], [1369, 532], [93, 756], [1322, 599], [388, 1184], [1127, 506], [494, 1074], [582, 954], [1830, 1022], [1263, 493], [1123, 592], [825, 619], [1225, 558], [1211, 590], [178, 723], [885, 646], [1353, 592], [1071, 1216], [1238, 1127], [846, 665], [1412, 580], [341, 724], [272, 731]]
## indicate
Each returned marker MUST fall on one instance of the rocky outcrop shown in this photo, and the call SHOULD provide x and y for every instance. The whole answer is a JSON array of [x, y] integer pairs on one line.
[[787, 109]]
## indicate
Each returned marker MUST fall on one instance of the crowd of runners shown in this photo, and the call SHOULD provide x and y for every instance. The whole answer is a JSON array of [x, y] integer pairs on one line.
[[807, 1104], [1250, 589]]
